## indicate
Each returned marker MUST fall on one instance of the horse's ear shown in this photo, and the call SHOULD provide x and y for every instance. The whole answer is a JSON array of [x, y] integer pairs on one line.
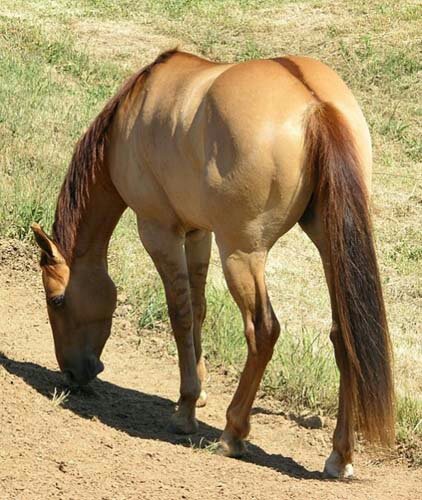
[[47, 245]]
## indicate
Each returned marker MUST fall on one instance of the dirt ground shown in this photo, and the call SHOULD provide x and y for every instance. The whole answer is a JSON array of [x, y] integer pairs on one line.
[[111, 442]]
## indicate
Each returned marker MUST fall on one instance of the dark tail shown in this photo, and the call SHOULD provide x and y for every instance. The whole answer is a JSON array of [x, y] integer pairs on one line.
[[343, 198]]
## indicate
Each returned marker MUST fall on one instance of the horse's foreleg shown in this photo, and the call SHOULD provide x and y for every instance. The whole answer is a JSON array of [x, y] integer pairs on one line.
[[198, 251], [166, 249], [245, 277]]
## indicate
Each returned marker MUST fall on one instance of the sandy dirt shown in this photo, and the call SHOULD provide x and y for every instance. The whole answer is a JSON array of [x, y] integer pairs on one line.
[[111, 442]]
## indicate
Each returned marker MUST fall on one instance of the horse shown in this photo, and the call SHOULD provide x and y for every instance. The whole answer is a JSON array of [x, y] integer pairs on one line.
[[245, 151]]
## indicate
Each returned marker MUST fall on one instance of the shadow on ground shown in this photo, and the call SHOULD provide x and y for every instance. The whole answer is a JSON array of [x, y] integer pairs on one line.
[[139, 414]]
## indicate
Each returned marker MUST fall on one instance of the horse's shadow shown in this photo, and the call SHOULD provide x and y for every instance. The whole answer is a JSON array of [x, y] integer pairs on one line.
[[138, 414]]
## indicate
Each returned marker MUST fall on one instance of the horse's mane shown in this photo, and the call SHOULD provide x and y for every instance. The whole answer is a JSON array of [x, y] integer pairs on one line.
[[87, 162]]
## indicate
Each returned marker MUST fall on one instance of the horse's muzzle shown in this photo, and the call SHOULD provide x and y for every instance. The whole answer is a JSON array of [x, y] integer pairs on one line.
[[84, 372]]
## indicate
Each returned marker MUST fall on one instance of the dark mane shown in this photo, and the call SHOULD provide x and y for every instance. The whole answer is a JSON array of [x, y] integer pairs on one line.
[[87, 162]]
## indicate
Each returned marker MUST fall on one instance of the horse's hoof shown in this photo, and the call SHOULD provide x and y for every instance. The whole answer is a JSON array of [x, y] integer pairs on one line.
[[182, 425], [335, 470], [202, 400], [232, 447]]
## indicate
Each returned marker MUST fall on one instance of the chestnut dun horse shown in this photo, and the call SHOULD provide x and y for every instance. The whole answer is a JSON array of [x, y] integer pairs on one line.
[[245, 151]]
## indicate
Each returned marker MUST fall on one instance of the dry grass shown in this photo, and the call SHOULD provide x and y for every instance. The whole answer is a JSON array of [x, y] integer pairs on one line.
[[59, 398], [62, 60]]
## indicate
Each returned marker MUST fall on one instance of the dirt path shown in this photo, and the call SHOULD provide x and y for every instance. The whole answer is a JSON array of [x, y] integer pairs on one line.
[[111, 442]]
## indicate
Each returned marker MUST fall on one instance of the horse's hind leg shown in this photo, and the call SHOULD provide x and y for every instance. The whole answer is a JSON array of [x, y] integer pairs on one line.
[[339, 463], [166, 248], [198, 251], [244, 273]]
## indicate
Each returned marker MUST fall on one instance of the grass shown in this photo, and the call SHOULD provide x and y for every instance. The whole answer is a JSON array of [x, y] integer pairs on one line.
[[60, 61], [58, 398]]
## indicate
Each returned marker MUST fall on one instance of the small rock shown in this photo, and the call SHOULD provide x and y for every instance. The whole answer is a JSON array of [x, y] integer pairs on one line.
[[312, 422]]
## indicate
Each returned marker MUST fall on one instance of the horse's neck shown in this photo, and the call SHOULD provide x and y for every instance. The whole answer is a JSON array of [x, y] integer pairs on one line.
[[101, 215]]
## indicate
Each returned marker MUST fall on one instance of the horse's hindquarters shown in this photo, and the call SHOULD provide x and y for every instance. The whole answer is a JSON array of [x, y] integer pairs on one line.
[[255, 187]]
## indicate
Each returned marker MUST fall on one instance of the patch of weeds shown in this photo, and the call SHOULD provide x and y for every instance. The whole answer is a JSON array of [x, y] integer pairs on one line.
[[204, 444], [29, 211], [212, 447], [58, 52], [58, 398], [394, 128], [409, 13], [178, 8], [396, 64], [223, 338], [409, 428], [399, 130], [208, 42], [333, 31], [251, 50], [406, 253], [389, 68], [152, 307], [364, 49], [413, 149], [303, 371], [109, 9]]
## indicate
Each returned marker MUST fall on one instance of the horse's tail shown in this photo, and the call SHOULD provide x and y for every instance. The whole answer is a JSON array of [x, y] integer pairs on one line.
[[357, 296]]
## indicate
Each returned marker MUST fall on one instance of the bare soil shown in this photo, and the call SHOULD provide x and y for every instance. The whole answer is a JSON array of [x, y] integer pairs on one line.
[[111, 442]]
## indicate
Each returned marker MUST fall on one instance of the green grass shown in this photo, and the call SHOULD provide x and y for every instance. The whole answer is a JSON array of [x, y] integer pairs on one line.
[[52, 91], [409, 432], [60, 61]]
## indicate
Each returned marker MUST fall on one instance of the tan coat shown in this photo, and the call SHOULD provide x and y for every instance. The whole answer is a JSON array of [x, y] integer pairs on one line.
[[245, 151]]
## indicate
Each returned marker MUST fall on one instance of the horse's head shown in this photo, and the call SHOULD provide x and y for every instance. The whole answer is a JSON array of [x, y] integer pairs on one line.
[[81, 299]]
